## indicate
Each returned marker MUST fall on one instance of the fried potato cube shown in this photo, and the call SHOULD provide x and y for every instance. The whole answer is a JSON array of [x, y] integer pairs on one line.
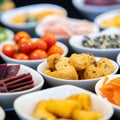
[[84, 100], [62, 108], [86, 115]]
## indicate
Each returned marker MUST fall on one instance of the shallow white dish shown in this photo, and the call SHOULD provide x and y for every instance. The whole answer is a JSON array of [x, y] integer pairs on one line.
[[91, 11], [2, 113], [99, 84], [64, 91], [118, 59], [76, 43], [104, 16], [7, 99], [30, 63], [10, 35], [39, 29], [86, 84], [6, 16]]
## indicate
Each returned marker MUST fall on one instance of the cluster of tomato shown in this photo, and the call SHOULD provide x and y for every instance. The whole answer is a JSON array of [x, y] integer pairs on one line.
[[27, 49]]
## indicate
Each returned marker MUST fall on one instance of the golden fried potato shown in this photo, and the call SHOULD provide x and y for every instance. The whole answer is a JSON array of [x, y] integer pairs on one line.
[[93, 71], [84, 101], [62, 108], [81, 61], [86, 115], [51, 73], [40, 112], [106, 66], [52, 60]]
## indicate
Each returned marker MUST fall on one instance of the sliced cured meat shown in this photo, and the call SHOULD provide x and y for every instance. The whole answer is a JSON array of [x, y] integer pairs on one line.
[[3, 68], [17, 83], [12, 70]]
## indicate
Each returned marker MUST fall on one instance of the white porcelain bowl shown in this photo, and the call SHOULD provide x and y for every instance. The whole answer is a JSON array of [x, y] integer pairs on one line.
[[76, 43], [91, 11], [40, 29], [104, 16], [7, 99], [86, 84], [2, 113], [29, 27], [64, 91], [30, 63], [99, 84]]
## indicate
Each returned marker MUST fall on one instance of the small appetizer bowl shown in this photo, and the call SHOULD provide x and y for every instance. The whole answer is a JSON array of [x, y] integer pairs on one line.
[[99, 85], [30, 63], [77, 43], [88, 84], [28, 16], [64, 91], [7, 98]]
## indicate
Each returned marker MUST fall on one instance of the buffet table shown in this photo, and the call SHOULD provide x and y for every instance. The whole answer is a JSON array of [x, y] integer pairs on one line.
[[72, 12]]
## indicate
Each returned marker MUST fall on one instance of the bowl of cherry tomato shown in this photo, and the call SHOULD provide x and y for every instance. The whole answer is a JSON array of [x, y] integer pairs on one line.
[[31, 51]]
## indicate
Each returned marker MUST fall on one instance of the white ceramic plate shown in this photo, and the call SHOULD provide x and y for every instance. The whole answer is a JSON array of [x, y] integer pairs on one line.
[[2, 113], [64, 91], [86, 84], [76, 43], [104, 16], [30, 63]]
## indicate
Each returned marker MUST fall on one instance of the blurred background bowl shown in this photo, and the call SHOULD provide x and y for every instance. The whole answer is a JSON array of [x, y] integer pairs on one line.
[[64, 91], [76, 43], [108, 19], [7, 99], [118, 59], [98, 92], [25, 18], [91, 11], [88, 84], [5, 34]]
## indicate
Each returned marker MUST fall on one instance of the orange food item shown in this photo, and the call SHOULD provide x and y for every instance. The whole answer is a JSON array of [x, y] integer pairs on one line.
[[55, 49], [111, 90]]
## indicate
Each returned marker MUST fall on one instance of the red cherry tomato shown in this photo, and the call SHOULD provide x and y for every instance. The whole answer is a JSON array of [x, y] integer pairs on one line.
[[55, 49], [26, 47], [9, 49], [19, 35], [38, 54], [50, 39], [41, 44], [20, 56]]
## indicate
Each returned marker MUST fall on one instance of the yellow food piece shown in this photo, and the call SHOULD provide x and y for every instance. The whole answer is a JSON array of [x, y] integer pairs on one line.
[[112, 22], [40, 112], [92, 71], [86, 115], [105, 65], [62, 107], [81, 61], [52, 60], [84, 101], [44, 115]]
